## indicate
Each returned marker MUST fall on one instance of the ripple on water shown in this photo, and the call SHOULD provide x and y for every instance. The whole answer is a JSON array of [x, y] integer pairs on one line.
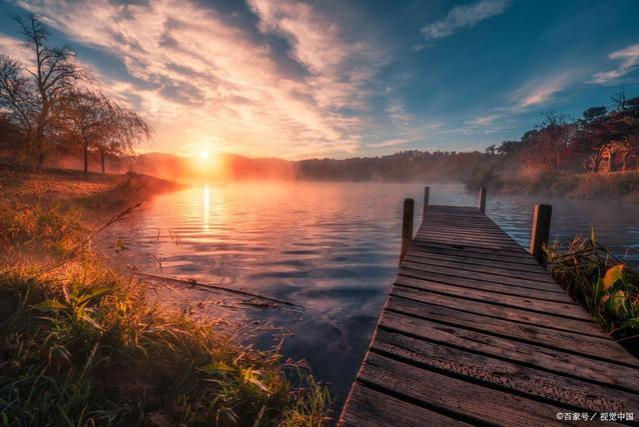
[[336, 255]]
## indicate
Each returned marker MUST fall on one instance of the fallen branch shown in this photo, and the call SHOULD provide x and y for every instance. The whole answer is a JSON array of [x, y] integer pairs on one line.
[[221, 288]]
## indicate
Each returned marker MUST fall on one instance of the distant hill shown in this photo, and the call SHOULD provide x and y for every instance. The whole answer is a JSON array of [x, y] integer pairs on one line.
[[404, 166]]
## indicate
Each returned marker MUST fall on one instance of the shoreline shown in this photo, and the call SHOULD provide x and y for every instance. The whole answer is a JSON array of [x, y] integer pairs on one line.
[[90, 340], [618, 186]]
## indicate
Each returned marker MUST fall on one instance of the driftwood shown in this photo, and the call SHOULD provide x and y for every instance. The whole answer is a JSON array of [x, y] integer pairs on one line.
[[192, 282]]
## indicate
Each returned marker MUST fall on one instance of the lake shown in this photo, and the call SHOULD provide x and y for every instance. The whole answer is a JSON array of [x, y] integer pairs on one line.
[[329, 247]]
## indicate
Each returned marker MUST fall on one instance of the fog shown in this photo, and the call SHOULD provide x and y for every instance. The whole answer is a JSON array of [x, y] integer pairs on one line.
[[406, 166]]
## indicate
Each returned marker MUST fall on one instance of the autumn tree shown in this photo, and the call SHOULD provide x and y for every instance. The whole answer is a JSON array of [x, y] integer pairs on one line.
[[31, 93]]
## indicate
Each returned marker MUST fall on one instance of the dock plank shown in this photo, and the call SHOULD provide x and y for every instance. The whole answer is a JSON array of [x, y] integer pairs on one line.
[[475, 331], [454, 396], [374, 408]]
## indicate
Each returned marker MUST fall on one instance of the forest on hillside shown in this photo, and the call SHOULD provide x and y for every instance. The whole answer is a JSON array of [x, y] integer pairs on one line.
[[599, 149]]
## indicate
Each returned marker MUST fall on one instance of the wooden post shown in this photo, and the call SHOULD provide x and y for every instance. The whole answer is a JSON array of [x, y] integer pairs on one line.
[[407, 227], [426, 195], [482, 200], [540, 231]]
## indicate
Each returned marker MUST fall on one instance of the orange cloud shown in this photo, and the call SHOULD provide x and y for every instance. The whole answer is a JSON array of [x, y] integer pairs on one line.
[[194, 74]]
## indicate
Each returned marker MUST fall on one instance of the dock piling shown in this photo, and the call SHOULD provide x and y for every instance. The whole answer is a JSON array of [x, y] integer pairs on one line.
[[426, 195], [482, 200], [540, 231], [407, 226]]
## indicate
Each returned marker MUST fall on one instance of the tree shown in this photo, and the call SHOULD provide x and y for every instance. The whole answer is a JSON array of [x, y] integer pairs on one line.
[[508, 147], [126, 130], [88, 117], [30, 94], [94, 122], [593, 114], [16, 98], [555, 137]]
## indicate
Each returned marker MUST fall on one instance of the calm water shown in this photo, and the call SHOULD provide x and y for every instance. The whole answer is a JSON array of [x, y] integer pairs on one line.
[[332, 248]]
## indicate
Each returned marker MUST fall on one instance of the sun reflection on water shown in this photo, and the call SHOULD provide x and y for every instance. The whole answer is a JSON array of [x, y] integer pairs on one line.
[[206, 204]]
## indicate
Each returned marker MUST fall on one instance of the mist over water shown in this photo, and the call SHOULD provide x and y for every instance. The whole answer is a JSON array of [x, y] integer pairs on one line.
[[331, 247]]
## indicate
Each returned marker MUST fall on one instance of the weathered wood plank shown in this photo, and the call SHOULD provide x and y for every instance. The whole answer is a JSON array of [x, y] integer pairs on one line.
[[415, 277], [369, 407], [561, 340], [478, 275], [476, 243], [470, 234], [561, 390], [557, 361], [455, 396], [424, 247], [485, 267], [467, 250], [563, 309], [466, 279], [508, 310]]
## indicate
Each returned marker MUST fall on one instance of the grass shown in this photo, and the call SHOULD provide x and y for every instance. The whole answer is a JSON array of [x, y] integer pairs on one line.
[[606, 286], [82, 345]]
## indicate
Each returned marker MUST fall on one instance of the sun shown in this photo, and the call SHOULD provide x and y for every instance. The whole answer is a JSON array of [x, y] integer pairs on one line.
[[204, 155]]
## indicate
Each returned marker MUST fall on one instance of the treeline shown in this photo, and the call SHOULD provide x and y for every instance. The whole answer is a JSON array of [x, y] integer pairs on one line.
[[602, 140], [411, 165], [51, 107]]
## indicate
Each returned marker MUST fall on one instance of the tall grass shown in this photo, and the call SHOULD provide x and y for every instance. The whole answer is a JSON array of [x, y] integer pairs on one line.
[[605, 285], [82, 345]]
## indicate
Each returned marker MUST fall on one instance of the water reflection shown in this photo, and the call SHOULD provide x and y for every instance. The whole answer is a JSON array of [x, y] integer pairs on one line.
[[206, 203], [330, 247]]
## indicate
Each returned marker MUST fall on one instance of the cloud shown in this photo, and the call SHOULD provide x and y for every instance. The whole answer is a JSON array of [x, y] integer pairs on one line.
[[628, 61], [397, 113], [338, 70], [465, 16], [484, 120], [542, 90], [201, 79], [14, 48], [389, 143]]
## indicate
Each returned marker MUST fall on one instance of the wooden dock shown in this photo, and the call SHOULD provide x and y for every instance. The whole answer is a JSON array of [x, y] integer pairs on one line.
[[476, 332]]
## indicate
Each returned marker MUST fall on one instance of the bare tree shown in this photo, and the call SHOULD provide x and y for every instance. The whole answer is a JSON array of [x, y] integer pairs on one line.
[[31, 93], [16, 100]]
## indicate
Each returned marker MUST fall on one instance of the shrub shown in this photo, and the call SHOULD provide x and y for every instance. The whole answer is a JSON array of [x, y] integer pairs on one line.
[[606, 286]]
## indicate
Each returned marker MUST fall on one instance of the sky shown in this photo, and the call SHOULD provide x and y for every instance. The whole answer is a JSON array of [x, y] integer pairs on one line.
[[337, 78]]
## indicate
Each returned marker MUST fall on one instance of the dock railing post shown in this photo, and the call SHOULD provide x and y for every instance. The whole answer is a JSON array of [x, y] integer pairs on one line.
[[407, 227], [482, 200], [426, 195], [540, 231]]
